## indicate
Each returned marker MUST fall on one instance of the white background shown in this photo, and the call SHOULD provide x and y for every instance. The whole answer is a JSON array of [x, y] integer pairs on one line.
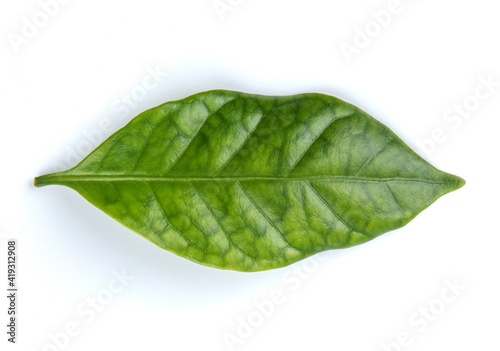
[[74, 73]]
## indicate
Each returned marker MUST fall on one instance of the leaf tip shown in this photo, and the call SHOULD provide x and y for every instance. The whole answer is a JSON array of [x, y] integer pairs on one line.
[[456, 182]]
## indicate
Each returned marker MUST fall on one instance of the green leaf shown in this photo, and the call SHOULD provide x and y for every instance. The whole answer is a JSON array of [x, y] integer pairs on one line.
[[249, 183]]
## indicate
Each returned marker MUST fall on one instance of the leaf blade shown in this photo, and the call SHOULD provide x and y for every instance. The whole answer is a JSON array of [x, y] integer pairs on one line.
[[250, 182]]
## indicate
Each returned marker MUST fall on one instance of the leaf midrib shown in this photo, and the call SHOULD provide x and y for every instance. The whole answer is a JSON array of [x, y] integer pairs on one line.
[[57, 178]]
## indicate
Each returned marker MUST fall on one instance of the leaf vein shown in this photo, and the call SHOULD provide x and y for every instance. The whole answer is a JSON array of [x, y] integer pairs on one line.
[[143, 148], [195, 135], [395, 199], [169, 225], [334, 118], [107, 154], [321, 198], [372, 157], [205, 202], [55, 178], [265, 216], [262, 117], [240, 147]]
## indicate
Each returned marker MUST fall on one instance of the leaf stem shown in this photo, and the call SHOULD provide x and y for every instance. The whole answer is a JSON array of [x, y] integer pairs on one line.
[[48, 179]]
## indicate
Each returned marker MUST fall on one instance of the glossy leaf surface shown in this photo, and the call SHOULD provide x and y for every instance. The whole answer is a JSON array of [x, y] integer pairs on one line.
[[248, 182]]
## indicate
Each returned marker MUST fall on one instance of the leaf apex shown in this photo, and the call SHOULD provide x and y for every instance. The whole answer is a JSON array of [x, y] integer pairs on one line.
[[455, 182]]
